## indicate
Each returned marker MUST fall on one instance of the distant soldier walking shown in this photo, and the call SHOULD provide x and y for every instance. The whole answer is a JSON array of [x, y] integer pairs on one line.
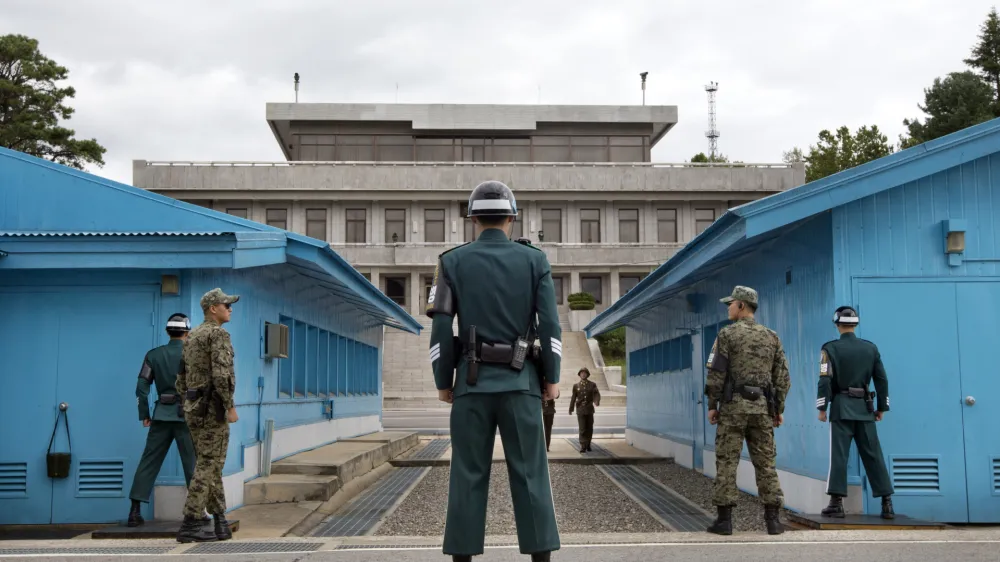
[[585, 397], [207, 385], [746, 388], [548, 416], [846, 367]]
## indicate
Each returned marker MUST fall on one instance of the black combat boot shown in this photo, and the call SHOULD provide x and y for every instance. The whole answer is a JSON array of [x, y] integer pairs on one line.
[[887, 512], [460, 558], [222, 529], [134, 515], [192, 530], [835, 509], [723, 524], [772, 519], [540, 557]]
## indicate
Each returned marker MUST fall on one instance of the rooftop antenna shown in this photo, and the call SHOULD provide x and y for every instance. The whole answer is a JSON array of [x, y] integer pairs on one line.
[[643, 76], [713, 132], [296, 87]]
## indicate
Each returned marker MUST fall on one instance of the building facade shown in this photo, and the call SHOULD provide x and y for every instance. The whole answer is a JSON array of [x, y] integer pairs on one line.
[[89, 272], [387, 185], [909, 240]]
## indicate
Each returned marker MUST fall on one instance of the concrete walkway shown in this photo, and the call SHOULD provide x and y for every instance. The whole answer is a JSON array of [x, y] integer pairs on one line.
[[562, 450]]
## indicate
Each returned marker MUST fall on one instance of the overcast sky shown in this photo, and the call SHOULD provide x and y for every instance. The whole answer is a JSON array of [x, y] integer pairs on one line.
[[188, 80]]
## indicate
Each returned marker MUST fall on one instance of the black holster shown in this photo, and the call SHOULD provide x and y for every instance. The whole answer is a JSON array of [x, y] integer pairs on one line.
[[727, 389], [168, 399]]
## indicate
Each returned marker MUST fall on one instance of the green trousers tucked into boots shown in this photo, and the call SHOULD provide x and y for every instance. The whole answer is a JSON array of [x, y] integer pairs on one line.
[[161, 435], [474, 421], [866, 438]]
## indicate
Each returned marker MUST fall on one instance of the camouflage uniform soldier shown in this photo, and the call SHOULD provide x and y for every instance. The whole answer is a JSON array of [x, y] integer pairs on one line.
[[208, 383], [548, 416], [586, 395], [748, 376]]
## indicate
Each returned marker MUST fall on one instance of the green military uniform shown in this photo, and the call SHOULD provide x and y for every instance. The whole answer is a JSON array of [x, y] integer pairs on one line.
[[548, 416], [160, 367], [748, 361], [846, 367], [498, 286], [585, 396]]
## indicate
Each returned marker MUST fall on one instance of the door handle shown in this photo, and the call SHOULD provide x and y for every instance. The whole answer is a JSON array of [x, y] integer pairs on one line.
[[970, 400], [63, 406]]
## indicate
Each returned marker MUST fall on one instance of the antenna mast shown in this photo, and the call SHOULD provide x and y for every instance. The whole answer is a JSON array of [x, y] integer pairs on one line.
[[713, 132]]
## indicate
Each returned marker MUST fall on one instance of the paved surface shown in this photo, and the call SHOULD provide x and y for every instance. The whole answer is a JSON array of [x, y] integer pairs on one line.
[[435, 421]]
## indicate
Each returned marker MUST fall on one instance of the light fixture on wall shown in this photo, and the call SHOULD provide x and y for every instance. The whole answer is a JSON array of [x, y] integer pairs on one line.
[[395, 237], [541, 236], [954, 241], [170, 285]]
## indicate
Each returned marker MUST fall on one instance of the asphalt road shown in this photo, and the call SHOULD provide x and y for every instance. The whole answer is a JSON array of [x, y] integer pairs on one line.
[[435, 421]]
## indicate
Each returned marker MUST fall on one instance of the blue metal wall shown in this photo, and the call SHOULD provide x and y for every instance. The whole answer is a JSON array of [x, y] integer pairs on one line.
[[798, 311]]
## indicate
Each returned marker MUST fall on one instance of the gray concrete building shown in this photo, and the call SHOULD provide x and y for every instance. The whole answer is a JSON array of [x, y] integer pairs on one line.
[[387, 184]]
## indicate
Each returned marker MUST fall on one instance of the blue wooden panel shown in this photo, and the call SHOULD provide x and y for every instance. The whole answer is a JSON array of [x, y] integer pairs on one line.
[[924, 453], [979, 332]]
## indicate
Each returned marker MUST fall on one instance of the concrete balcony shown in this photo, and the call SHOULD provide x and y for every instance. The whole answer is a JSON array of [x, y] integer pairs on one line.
[[421, 180], [593, 255]]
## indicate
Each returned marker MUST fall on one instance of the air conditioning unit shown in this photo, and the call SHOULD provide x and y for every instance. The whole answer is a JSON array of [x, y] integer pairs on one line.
[[275, 340]]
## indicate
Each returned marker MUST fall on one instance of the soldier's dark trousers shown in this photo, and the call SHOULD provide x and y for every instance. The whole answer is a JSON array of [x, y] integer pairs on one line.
[[586, 423], [211, 439], [161, 435], [865, 436], [758, 430], [474, 422], [548, 419]]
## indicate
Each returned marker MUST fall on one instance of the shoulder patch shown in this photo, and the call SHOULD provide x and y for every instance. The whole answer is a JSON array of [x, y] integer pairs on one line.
[[527, 242], [453, 249]]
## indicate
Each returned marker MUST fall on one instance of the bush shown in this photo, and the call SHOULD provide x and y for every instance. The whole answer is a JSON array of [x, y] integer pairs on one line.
[[581, 301], [612, 346]]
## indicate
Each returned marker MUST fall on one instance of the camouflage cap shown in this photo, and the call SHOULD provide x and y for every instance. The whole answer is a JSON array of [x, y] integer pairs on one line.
[[216, 296], [741, 293]]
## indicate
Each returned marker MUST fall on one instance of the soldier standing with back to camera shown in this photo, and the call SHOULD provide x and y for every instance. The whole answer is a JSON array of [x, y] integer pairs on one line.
[[747, 384], [586, 395], [496, 287], [207, 384], [846, 367]]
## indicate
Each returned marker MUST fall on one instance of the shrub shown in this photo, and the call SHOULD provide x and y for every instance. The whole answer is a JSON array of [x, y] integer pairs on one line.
[[581, 301], [612, 346]]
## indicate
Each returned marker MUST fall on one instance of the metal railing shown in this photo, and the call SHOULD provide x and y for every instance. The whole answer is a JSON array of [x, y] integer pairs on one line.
[[372, 164]]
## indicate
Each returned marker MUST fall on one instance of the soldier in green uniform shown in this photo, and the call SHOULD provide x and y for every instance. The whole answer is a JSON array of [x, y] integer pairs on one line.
[[496, 287], [166, 425], [746, 388], [548, 416], [846, 367], [585, 397], [207, 384]]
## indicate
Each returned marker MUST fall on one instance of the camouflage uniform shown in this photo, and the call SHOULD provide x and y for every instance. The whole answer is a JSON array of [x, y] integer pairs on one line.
[[208, 359], [753, 356], [548, 416], [586, 395]]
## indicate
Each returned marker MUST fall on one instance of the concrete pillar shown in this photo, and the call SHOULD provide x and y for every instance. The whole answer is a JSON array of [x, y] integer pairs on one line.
[[614, 282], [338, 224], [375, 278], [376, 224], [574, 282], [414, 298]]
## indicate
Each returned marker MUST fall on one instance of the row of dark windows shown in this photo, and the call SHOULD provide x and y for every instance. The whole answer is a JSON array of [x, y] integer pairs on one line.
[[664, 357]]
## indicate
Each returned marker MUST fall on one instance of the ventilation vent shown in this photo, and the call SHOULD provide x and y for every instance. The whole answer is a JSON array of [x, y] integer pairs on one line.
[[101, 479], [996, 475], [916, 475], [13, 479]]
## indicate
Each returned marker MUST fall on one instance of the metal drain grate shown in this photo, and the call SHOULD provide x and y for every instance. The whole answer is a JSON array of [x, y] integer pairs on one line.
[[228, 547], [494, 544], [433, 450], [358, 517], [677, 511], [597, 449], [92, 550]]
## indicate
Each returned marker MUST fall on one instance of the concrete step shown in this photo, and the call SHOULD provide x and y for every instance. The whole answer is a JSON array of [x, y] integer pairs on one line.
[[287, 488]]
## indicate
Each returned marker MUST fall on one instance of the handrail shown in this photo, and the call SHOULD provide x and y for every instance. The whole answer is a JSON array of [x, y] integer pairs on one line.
[[237, 163]]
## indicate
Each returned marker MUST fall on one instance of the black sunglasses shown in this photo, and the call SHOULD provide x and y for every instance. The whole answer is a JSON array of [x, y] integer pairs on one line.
[[228, 305]]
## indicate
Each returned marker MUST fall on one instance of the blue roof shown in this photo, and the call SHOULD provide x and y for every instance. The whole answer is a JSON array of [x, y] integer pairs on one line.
[[41, 201], [765, 218]]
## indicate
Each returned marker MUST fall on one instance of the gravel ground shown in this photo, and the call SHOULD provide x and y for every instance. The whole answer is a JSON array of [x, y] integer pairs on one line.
[[606, 508], [748, 514]]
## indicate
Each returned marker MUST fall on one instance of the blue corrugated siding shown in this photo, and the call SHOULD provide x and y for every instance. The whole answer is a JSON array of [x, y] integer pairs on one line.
[[799, 312], [898, 233]]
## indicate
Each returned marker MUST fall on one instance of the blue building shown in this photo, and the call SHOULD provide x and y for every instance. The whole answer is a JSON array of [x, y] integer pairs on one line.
[[90, 270], [913, 241]]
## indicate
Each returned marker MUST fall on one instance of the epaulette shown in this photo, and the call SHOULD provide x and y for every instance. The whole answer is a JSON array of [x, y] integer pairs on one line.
[[527, 242], [453, 249]]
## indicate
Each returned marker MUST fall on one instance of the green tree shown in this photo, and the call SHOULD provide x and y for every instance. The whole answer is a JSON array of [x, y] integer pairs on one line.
[[702, 158], [793, 155], [31, 106], [835, 153], [986, 56], [961, 100]]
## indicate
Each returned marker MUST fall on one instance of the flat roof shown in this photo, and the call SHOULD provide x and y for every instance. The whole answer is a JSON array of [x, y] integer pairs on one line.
[[468, 117]]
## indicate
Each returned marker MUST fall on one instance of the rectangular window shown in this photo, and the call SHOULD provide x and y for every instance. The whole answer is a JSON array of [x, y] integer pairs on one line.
[[433, 225], [628, 226], [357, 226], [395, 225], [626, 283], [316, 224], [468, 227], [395, 289], [666, 225], [278, 218], [551, 225], [703, 218], [590, 226], [242, 213], [592, 285], [517, 229], [557, 282]]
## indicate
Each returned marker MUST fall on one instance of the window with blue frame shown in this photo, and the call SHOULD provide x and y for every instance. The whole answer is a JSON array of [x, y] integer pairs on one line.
[[664, 357], [321, 363]]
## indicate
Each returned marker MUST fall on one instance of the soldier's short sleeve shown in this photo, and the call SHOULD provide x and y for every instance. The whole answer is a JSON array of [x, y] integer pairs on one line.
[[824, 391], [441, 299], [549, 331], [881, 383], [223, 366]]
